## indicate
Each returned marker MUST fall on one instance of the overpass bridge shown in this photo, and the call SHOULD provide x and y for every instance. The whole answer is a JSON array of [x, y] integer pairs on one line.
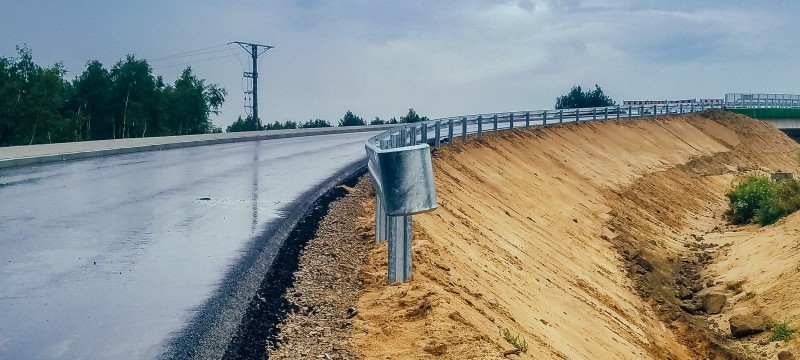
[[780, 110]]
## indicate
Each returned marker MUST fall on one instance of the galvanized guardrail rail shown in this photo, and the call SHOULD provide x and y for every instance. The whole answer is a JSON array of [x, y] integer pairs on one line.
[[401, 170]]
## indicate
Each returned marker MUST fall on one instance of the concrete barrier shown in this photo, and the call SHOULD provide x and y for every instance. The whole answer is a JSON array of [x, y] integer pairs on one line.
[[14, 156]]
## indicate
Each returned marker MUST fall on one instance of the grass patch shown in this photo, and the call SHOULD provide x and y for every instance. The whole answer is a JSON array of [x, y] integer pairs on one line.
[[748, 295], [781, 331], [735, 286], [516, 341], [757, 199]]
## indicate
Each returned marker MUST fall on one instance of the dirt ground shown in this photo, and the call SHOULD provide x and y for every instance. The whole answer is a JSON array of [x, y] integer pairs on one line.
[[766, 262], [588, 241]]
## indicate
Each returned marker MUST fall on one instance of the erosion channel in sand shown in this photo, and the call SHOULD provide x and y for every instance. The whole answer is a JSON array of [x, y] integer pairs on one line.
[[590, 241]]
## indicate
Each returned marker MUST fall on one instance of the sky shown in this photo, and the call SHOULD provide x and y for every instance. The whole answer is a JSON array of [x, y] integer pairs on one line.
[[442, 58]]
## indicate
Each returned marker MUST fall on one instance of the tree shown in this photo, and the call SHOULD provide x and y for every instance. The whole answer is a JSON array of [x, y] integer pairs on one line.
[[316, 123], [377, 121], [132, 94], [246, 124], [31, 100], [90, 101], [412, 117], [191, 103], [577, 98], [351, 119]]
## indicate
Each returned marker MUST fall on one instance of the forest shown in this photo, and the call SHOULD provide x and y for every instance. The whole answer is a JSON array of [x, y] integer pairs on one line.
[[38, 105]]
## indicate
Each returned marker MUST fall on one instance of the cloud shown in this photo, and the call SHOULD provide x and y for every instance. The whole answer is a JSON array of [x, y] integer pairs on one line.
[[378, 58]]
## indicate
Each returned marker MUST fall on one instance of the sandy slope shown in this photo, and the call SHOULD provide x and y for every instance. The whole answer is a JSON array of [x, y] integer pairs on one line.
[[531, 230], [767, 260]]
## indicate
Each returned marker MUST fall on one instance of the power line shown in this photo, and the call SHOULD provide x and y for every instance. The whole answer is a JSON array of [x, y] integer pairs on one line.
[[192, 62], [186, 53]]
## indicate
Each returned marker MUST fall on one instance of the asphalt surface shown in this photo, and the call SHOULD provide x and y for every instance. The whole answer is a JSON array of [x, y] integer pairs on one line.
[[140, 255]]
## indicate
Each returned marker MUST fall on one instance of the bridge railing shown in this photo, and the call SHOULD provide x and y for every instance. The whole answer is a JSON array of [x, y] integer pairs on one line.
[[747, 100], [401, 171]]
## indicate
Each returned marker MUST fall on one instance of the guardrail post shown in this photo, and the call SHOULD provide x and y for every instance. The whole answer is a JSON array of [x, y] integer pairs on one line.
[[606, 112], [412, 136], [691, 109], [667, 108], [527, 119], [544, 118], [577, 115], [438, 133], [380, 221], [464, 130], [399, 249], [680, 108], [511, 121], [450, 132], [641, 111], [423, 134], [594, 114], [480, 127], [630, 112], [403, 137], [495, 124], [560, 116], [654, 110]]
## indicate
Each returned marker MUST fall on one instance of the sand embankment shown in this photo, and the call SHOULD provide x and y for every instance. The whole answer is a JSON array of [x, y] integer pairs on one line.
[[571, 236]]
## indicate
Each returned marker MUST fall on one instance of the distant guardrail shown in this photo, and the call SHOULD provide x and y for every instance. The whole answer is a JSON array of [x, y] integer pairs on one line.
[[401, 170]]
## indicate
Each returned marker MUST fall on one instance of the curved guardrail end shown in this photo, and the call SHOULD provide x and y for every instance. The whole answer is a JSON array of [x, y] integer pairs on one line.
[[406, 180]]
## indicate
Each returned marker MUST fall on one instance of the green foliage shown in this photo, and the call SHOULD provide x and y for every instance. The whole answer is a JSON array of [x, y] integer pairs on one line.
[[393, 120], [736, 286], [246, 124], [278, 126], [38, 106], [781, 332], [515, 341], [377, 121], [316, 123], [756, 199], [351, 119], [412, 117], [577, 98], [31, 101]]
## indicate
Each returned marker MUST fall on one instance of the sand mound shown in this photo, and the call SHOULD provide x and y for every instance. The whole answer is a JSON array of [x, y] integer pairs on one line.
[[570, 236]]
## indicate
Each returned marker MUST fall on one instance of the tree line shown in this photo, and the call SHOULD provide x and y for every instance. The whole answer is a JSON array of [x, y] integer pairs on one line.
[[349, 119], [38, 105]]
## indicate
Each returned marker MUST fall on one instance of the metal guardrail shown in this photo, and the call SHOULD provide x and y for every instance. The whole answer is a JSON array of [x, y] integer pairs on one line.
[[401, 171]]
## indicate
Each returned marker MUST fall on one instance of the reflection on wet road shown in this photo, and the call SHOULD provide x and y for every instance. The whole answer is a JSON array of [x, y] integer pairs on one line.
[[107, 257]]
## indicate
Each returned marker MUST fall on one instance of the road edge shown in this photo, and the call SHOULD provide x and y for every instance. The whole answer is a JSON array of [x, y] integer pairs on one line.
[[209, 333]]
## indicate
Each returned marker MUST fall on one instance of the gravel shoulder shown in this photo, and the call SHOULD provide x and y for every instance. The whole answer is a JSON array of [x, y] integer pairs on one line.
[[328, 284], [304, 308]]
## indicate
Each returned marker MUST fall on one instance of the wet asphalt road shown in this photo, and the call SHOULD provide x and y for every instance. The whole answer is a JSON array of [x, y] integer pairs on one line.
[[112, 257]]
